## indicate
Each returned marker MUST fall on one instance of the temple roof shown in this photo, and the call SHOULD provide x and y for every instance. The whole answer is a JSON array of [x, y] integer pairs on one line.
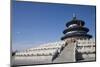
[[75, 21], [78, 28], [75, 35]]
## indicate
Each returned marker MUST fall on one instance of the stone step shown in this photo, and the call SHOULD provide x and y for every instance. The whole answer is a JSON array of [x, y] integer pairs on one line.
[[67, 54]]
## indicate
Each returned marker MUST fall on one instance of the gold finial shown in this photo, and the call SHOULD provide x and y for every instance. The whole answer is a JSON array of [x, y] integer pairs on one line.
[[74, 16]]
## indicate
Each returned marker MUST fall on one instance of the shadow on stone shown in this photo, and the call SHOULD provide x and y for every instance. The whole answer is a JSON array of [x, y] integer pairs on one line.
[[78, 56]]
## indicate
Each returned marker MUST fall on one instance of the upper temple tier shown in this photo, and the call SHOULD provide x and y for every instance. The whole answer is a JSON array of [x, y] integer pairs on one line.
[[75, 29], [75, 21]]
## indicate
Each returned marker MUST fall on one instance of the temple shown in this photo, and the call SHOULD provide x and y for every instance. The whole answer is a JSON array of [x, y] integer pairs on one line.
[[75, 46], [75, 29]]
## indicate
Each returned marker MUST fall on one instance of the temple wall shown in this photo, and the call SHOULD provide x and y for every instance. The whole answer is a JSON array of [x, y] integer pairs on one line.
[[26, 60], [45, 53], [85, 50], [70, 50]]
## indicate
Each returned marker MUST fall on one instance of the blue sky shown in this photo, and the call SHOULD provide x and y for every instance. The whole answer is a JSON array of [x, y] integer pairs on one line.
[[37, 23]]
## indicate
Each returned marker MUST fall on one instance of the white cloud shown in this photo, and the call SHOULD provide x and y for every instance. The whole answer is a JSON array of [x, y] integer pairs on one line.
[[18, 32]]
